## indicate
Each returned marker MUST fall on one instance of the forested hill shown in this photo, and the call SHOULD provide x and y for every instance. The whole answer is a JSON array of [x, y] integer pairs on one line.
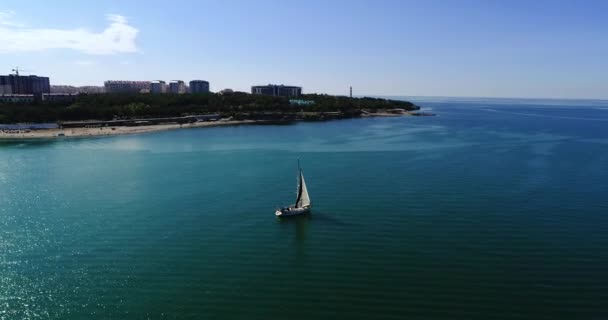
[[110, 106]]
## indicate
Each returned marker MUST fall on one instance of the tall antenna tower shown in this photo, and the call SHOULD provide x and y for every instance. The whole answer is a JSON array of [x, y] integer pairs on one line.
[[16, 71], [351, 92]]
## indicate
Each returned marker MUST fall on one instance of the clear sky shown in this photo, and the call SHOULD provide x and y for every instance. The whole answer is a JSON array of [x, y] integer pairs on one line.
[[552, 49]]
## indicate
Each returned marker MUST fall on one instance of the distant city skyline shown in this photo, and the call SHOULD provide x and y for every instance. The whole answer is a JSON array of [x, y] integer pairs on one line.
[[542, 49]]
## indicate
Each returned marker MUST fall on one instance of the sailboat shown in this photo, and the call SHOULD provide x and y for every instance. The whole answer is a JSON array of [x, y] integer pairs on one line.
[[302, 204]]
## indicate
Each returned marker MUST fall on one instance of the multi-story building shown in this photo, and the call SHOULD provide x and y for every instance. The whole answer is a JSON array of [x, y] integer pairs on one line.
[[158, 86], [5, 88], [113, 86], [177, 87], [16, 84], [45, 97], [199, 86], [277, 90]]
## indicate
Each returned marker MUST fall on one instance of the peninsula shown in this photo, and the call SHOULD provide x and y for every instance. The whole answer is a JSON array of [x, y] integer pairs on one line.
[[109, 114]]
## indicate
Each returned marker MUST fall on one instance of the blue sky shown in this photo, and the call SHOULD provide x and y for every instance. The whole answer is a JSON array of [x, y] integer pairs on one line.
[[553, 49]]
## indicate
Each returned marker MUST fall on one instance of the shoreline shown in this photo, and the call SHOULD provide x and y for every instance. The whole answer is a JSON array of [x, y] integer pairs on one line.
[[79, 132], [116, 130]]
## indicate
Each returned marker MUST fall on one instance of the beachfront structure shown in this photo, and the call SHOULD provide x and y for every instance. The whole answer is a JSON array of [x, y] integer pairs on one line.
[[199, 86], [16, 98], [277, 90], [158, 86], [45, 97], [300, 102], [17, 84], [29, 126], [177, 87], [119, 86]]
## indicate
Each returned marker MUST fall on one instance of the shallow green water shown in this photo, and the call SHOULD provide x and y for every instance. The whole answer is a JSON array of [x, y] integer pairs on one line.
[[491, 210]]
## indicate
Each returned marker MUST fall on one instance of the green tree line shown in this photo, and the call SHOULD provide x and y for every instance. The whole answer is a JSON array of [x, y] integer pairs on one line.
[[110, 106]]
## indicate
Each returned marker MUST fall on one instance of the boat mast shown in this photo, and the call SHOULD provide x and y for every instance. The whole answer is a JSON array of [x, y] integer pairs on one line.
[[299, 177]]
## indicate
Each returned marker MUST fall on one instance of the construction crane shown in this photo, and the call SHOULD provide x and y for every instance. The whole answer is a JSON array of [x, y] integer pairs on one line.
[[17, 70]]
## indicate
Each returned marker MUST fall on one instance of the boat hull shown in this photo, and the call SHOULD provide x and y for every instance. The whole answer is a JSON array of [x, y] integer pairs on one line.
[[292, 212]]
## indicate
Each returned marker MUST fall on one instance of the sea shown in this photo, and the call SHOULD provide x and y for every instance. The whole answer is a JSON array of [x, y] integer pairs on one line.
[[492, 209]]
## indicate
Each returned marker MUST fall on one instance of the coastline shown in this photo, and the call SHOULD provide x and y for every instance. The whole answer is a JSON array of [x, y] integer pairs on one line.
[[78, 132], [115, 130], [89, 114]]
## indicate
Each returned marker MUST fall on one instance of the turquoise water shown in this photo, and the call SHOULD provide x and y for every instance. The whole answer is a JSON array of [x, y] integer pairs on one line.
[[494, 209]]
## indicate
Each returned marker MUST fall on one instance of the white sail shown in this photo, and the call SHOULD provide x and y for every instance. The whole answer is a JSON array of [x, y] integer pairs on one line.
[[303, 198], [302, 204]]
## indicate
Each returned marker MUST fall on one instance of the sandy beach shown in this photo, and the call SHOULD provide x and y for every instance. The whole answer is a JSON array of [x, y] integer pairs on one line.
[[116, 130]]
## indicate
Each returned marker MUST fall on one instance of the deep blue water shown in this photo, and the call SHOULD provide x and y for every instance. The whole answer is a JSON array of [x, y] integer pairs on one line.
[[493, 209]]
